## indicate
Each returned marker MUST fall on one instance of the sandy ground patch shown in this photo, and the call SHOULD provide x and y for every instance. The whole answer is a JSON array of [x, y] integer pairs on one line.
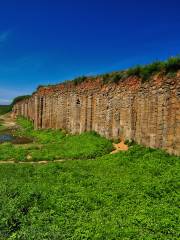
[[119, 147]]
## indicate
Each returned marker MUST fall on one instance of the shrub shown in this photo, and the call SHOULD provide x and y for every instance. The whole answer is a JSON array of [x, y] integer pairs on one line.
[[136, 71], [173, 64], [170, 67], [149, 70], [79, 80], [171, 74], [118, 77], [145, 72], [106, 78], [114, 77]]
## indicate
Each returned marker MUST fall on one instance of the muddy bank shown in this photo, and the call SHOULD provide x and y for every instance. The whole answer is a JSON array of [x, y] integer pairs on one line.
[[8, 127]]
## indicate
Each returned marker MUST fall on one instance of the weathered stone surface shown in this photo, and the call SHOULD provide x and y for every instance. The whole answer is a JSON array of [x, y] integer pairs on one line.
[[148, 113]]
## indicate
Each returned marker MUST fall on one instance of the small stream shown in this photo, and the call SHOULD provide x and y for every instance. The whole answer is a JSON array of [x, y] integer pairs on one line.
[[8, 137]]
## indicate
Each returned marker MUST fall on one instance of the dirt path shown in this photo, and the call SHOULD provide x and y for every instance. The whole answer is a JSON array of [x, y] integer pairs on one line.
[[119, 147], [38, 162], [8, 121]]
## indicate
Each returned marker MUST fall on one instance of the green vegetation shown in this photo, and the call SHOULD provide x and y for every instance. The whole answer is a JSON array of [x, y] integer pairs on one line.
[[54, 144], [129, 195], [5, 109], [169, 68], [79, 80], [130, 143], [145, 72], [1, 127], [172, 65]]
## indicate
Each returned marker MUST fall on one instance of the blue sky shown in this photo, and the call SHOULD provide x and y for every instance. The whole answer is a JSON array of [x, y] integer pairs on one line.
[[45, 42]]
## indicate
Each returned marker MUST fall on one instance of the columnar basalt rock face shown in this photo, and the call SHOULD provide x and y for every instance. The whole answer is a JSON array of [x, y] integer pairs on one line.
[[148, 113]]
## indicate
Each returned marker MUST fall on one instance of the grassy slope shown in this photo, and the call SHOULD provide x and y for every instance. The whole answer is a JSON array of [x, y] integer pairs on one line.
[[132, 195]]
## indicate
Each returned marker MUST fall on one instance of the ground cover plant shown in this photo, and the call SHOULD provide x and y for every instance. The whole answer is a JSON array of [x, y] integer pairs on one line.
[[128, 195], [98, 196], [54, 144]]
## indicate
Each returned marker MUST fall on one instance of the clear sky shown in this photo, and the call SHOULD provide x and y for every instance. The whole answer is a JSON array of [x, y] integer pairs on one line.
[[49, 41]]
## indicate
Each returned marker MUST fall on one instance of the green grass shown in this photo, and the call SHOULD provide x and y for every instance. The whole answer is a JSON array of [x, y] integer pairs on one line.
[[5, 109], [54, 144], [129, 195], [1, 125]]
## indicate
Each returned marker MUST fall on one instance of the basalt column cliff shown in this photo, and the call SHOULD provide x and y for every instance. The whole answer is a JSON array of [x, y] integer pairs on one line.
[[148, 113]]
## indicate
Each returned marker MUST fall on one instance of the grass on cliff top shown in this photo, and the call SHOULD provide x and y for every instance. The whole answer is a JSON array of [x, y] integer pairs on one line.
[[129, 195], [168, 68], [54, 144], [144, 72]]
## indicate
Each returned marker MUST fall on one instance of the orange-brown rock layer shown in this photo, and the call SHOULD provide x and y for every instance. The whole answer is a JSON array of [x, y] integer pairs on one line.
[[148, 113]]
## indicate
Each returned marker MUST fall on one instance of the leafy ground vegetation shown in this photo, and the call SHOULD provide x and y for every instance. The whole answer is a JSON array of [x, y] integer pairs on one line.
[[51, 145], [128, 195]]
